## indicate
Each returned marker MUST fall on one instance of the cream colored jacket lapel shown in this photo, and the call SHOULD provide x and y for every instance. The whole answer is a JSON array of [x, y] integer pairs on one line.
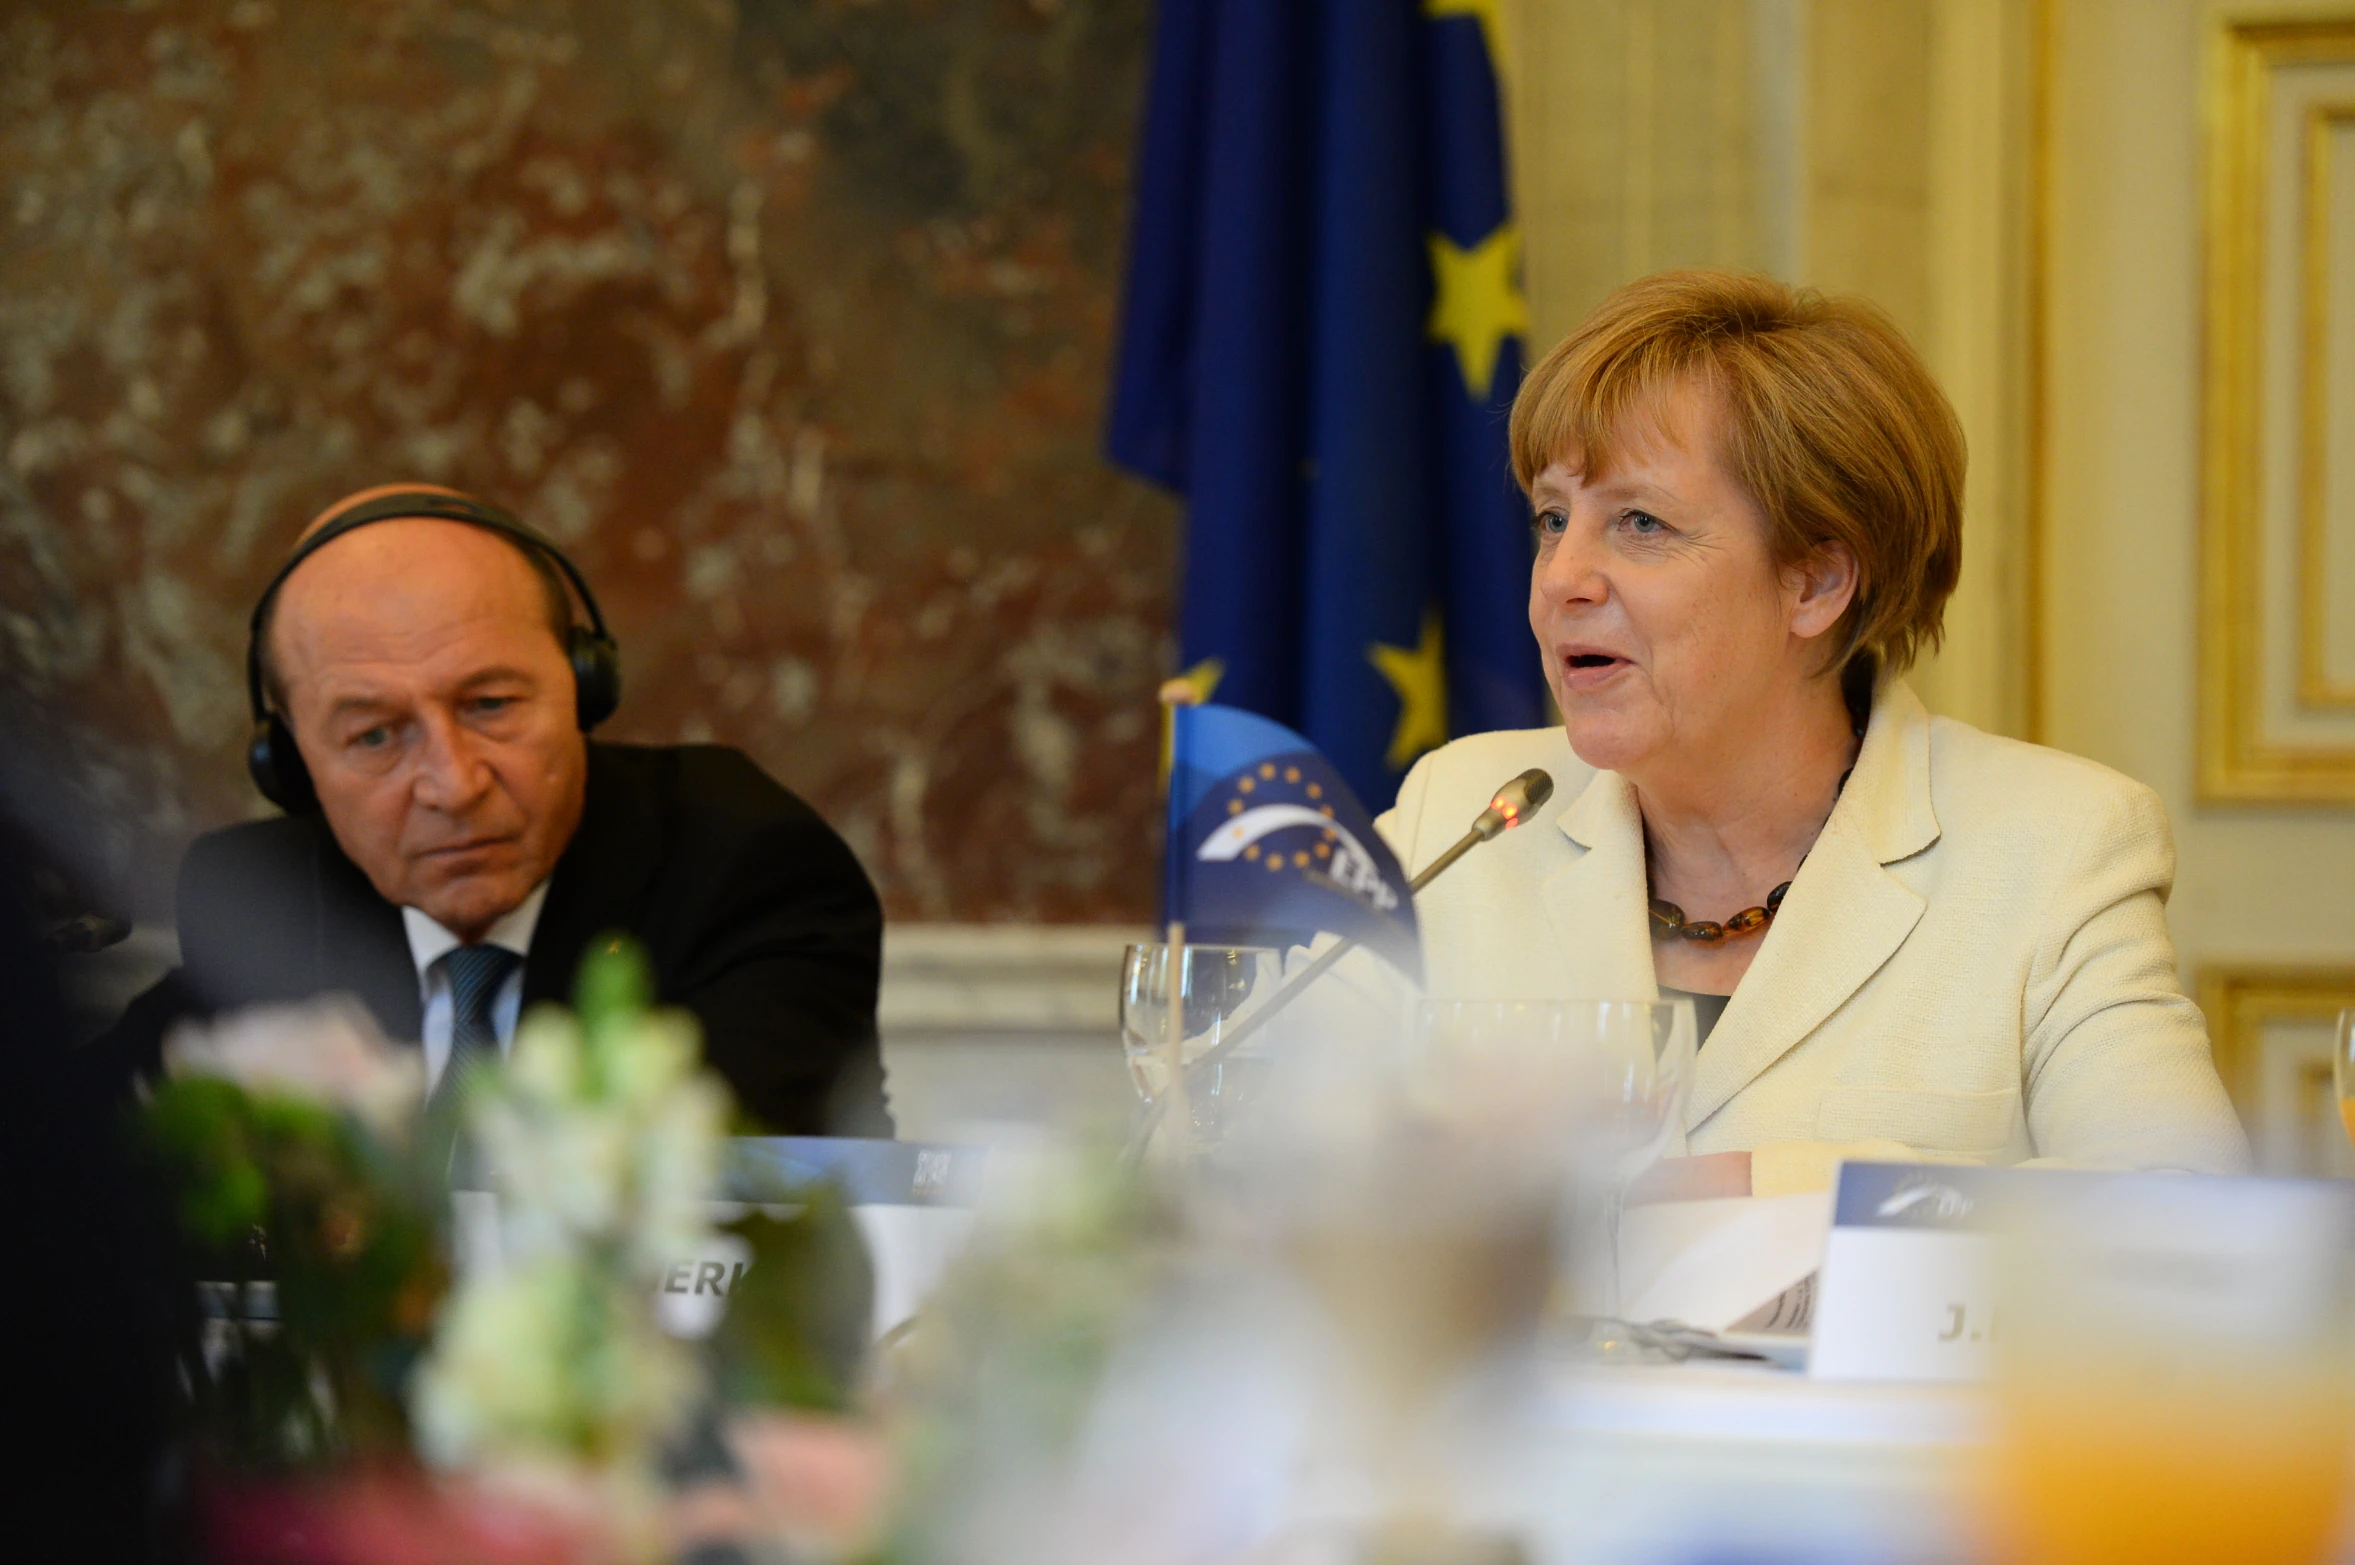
[[1844, 916], [1595, 902]]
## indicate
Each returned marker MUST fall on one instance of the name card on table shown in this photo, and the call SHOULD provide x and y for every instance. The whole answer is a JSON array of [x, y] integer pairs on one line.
[[869, 1173], [1909, 1274], [913, 1203]]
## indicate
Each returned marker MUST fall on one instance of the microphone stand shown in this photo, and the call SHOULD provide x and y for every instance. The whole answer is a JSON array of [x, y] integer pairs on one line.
[[1512, 802]]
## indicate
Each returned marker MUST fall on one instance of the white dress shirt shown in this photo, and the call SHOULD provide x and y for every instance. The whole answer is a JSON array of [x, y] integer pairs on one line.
[[429, 942]]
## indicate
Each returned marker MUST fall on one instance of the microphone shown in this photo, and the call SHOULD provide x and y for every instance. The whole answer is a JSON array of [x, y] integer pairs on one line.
[[1525, 793], [1514, 801], [1512, 804]]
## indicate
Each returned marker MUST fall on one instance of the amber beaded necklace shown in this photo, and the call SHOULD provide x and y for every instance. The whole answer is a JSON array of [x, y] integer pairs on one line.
[[1669, 922]]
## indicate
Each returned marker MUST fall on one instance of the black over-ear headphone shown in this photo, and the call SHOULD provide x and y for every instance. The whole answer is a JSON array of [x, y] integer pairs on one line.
[[271, 755]]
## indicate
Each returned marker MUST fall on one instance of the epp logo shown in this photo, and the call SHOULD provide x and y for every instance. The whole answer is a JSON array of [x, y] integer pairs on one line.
[[1924, 1199]]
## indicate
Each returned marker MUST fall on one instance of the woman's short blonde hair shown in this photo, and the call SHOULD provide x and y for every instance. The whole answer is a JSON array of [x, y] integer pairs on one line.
[[1831, 423]]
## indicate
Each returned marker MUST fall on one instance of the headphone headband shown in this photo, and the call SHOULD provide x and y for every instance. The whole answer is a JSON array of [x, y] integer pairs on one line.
[[407, 505], [272, 755]]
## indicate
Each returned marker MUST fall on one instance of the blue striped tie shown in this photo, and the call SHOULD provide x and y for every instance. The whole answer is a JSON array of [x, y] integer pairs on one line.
[[475, 974]]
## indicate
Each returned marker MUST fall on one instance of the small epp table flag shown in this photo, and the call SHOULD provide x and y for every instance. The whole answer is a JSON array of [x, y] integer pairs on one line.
[[1268, 846]]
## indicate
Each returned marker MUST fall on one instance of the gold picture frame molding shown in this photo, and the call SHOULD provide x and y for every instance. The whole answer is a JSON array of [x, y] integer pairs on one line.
[[2241, 999], [2317, 686], [2236, 761]]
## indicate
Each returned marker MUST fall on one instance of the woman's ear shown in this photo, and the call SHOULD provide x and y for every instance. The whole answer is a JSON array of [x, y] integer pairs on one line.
[[1823, 586]]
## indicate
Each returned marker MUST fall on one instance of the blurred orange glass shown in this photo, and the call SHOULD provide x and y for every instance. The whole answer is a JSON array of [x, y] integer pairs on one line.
[[2177, 1385], [2102, 1473]]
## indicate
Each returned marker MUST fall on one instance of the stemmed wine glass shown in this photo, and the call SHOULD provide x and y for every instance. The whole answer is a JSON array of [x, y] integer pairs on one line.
[[1216, 986]]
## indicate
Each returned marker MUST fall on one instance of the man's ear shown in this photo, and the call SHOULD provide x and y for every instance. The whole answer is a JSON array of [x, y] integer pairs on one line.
[[1824, 584]]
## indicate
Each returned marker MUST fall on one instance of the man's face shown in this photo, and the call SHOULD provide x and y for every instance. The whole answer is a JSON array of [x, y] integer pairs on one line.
[[435, 710]]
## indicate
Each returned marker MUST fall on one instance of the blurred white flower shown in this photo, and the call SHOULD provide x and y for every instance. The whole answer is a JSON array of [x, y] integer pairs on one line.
[[498, 1362], [330, 1050], [603, 1145], [546, 1358], [677, 1147], [544, 1061], [560, 1169], [661, 1054]]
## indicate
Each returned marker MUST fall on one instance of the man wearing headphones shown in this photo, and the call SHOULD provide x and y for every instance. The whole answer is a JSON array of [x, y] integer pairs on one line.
[[453, 841]]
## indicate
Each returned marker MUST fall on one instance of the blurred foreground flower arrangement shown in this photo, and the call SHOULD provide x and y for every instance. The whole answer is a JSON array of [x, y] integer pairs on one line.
[[477, 1350], [397, 1370]]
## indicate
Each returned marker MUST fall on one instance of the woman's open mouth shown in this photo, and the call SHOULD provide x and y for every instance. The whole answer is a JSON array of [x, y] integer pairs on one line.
[[1584, 670]]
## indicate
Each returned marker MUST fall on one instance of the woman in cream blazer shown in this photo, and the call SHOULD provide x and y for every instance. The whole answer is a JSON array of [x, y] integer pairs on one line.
[[1972, 964], [1907, 938]]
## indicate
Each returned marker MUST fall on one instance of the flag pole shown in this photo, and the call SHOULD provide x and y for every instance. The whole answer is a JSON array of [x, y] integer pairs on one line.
[[1174, 694]]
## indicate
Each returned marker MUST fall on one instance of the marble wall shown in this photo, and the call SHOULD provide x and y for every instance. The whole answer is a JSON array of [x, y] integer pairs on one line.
[[790, 318]]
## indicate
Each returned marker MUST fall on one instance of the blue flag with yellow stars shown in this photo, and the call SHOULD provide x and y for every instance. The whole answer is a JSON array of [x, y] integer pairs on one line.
[[1320, 343], [1269, 847]]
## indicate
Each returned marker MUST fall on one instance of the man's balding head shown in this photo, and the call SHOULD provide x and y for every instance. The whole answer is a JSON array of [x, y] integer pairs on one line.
[[421, 666], [556, 600]]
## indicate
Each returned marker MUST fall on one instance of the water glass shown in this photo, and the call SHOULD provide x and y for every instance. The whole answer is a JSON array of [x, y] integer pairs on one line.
[[1218, 987], [1616, 1074], [1413, 1182]]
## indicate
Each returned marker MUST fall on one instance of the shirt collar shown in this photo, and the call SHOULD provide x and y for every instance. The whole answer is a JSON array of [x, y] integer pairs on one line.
[[429, 942]]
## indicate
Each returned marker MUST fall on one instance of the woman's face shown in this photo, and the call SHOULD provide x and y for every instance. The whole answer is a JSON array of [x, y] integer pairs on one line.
[[1667, 631]]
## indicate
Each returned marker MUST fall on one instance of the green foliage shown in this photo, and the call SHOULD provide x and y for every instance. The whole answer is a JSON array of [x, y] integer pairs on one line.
[[796, 1329], [282, 1188], [614, 987]]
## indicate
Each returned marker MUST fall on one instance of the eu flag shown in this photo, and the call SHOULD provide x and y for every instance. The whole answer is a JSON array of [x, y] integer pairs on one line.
[[1321, 341], [1267, 845]]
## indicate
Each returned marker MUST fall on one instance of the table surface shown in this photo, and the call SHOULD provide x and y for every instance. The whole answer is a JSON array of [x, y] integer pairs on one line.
[[1729, 1463]]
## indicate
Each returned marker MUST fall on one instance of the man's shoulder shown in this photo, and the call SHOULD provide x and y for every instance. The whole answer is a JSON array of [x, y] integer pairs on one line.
[[250, 849], [272, 910], [684, 834], [703, 797]]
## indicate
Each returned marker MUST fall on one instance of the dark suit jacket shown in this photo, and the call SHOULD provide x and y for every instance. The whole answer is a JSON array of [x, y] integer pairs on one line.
[[755, 915]]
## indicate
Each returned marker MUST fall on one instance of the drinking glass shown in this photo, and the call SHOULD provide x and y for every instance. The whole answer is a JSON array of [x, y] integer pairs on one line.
[[1410, 1173], [1636, 1111], [2176, 1382], [1217, 987], [1620, 1072], [1409, 1176], [2342, 1070]]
